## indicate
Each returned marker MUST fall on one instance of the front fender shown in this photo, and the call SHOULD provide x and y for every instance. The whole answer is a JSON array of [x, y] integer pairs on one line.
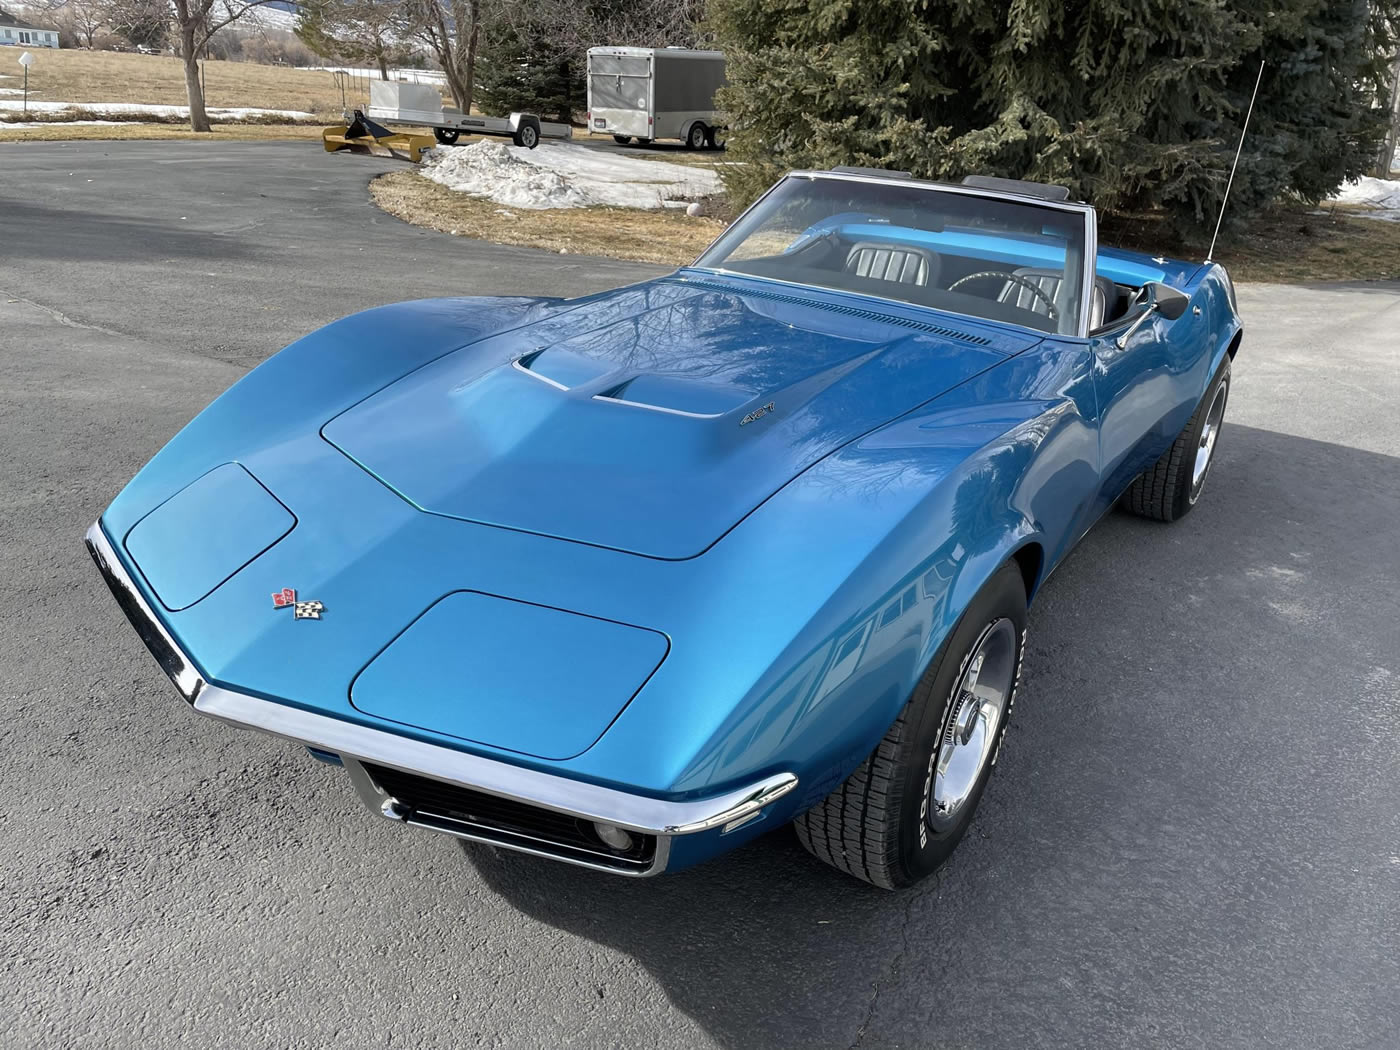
[[311, 380], [862, 566]]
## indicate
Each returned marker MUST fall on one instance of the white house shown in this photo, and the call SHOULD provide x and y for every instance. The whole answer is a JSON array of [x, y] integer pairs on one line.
[[22, 34]]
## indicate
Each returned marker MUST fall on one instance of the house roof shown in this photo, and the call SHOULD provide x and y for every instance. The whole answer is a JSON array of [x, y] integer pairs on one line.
[[9, 20]]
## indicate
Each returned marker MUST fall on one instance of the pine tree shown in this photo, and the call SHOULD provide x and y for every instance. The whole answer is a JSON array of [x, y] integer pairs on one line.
[[1131, 104]]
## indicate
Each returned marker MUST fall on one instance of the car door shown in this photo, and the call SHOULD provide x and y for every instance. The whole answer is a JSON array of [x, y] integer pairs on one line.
[[1147, 389]]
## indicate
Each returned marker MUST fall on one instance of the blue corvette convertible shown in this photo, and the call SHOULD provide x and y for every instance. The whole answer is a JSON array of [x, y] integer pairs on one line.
[[627, 580]]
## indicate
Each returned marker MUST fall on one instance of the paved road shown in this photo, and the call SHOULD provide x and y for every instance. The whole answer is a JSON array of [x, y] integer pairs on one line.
[[1193, 838]]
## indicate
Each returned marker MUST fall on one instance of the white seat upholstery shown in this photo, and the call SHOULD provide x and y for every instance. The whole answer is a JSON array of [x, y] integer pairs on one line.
[[1048, 281], [902, 264]]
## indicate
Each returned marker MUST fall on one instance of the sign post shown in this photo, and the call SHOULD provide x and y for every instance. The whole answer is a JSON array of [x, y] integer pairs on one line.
[[26, 60]]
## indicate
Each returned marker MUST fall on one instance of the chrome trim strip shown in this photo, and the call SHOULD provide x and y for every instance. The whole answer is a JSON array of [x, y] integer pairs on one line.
[[657, 408], [536, 375], [175, 663], [351, 741]]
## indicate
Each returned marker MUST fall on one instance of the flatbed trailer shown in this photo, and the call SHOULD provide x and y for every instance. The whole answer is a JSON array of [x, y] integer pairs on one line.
[[420, 105]]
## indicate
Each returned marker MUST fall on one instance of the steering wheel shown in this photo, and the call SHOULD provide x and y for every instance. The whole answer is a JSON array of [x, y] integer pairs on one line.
[[1029, 286]]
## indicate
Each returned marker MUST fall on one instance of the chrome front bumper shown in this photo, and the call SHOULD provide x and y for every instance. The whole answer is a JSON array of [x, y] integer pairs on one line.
[[357, 745]]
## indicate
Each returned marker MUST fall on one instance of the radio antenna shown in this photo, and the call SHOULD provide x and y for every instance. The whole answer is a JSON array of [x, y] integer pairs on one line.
[[1238, 150]]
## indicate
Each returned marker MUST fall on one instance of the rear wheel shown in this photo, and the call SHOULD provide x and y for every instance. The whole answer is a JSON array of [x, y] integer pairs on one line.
[[714, 139], [622, 140], [446, 136], [901, 813], [1174, 483], [697, 136]]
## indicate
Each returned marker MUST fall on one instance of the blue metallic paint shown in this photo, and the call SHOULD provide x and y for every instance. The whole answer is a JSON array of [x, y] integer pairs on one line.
[[805, 578]]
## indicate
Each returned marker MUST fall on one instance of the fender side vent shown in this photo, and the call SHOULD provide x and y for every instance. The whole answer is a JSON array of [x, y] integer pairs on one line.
[[848, 311]]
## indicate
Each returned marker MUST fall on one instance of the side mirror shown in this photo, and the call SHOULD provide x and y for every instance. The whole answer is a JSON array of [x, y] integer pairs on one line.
[[1157, 298], [1170, 303]]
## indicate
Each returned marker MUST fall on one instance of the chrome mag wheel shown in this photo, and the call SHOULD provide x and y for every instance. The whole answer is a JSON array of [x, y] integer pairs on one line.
[[1210, 432], [972, 724]]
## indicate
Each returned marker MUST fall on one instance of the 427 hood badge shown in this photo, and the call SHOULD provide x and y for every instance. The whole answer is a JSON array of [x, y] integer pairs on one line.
[[307, 610]]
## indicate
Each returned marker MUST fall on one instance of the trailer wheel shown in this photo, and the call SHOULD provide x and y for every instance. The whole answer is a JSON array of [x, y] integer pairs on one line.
[[446, 136], [698, 136], [714, 139], [643, 142], [527, 134], [622, 140]]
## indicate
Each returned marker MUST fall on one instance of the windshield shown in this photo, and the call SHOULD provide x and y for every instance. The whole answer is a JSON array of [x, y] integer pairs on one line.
[[1000, 259]]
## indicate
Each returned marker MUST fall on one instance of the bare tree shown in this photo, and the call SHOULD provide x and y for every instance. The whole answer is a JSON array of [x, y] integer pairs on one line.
[[353, 30], [451, 31], [145, 23], [196, 21]]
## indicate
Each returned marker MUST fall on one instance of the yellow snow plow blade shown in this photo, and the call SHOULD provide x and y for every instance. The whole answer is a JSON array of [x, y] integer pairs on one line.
[[363, 135]]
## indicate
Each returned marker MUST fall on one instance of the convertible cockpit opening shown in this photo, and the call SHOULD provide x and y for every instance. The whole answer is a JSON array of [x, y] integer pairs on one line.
[[967, 250]]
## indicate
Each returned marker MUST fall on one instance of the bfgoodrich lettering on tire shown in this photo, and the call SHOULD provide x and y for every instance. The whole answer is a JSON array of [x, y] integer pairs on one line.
[[901, 813]]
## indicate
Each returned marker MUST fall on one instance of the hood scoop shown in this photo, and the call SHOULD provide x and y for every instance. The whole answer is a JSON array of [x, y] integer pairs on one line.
[[561, 368], [679, 396], [652, 425]]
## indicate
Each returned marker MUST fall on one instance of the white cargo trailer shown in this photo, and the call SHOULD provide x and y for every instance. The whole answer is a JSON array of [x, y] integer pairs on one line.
[[648, 93], [391, 102]]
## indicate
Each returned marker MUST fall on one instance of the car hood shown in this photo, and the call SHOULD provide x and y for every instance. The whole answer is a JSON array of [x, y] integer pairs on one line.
[[654, 419]]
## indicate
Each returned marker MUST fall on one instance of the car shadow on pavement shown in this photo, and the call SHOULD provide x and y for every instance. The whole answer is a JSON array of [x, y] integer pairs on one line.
[[765, 947], [1168, 722]]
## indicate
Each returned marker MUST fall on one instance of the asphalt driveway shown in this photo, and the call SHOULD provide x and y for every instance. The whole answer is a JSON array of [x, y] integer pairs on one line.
[[1193, 838]]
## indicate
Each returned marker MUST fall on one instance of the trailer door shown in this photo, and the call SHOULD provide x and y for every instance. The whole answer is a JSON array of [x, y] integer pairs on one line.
[[619, 94]]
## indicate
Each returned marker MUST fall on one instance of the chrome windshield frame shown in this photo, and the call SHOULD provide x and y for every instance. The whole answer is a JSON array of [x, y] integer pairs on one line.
[[1085, 211]]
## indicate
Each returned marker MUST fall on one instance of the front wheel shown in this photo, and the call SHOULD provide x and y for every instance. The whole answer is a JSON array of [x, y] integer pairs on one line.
[[446, 136], [1174, 483], [697, 136], [902, 812]]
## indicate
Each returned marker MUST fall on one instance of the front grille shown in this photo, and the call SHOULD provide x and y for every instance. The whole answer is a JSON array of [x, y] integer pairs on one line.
[[451, 808]]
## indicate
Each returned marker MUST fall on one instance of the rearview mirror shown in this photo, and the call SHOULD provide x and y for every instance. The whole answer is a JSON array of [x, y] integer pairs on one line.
[[1170, 303]]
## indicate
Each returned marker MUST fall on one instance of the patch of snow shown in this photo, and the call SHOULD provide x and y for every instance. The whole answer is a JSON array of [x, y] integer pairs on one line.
[[563, 176], [1379, 197], [8, 125], [410, 76], [127, 109]]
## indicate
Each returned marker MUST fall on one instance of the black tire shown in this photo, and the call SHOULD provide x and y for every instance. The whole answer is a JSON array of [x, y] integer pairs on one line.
[[527, 134], [714, 138], [446, 136], [697, 136], [877, 825], [1172, 486], [622, 140], [643, 142]]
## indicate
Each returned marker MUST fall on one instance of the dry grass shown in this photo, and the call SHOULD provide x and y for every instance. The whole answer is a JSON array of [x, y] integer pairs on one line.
[[61, 132], [1289, 245], [109, 76], [661, 236]]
